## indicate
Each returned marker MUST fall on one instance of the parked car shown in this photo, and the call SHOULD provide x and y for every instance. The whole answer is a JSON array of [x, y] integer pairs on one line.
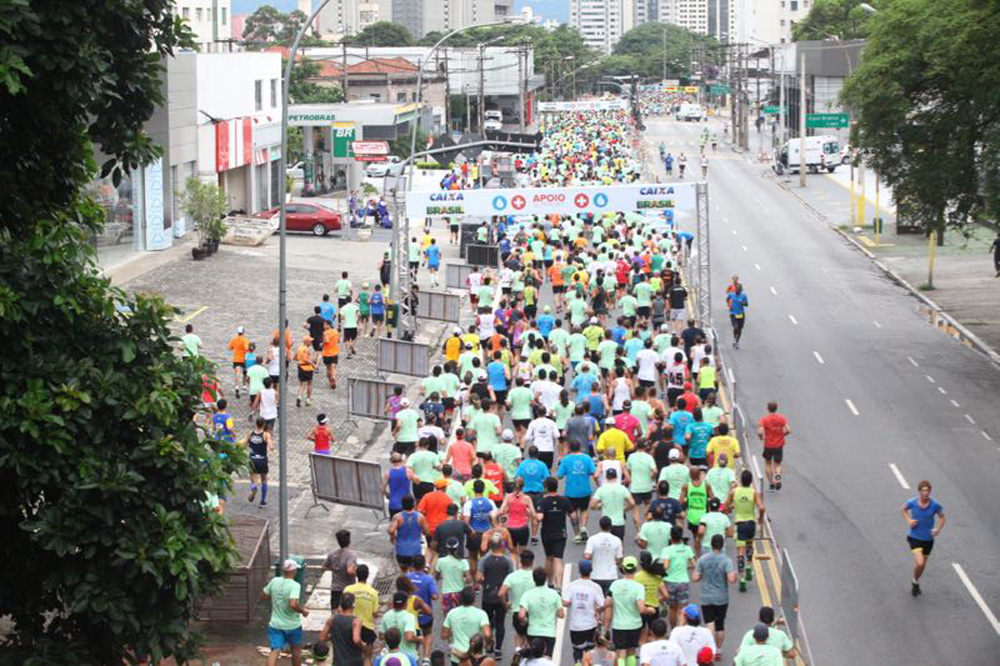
[[296, 171], [392, 166], [308, 217]]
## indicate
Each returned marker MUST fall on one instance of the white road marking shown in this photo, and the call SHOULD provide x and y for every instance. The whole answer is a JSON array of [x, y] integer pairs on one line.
[[734, 232], [819, 358], [729, 371], [912, 362], [756, 468], [561, 622], [977, 597], [955, 404], [899, 476], [793, 319], [746, 249], [757, 266], [986, 436], [850, 406], [970, 419], [877, 325], [943, 392], [930, 379], [774, 291]]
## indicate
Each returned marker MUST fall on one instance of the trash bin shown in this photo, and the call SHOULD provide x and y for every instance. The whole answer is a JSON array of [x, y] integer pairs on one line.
[[877, 225], [392, 314], [300, 575]]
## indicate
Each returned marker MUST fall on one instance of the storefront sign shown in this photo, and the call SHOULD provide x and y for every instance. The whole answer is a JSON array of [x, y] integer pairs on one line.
[[233, 143], [584, 105], [370, 148], [316, 118], [547, 200], [343, 137], [157, 237]]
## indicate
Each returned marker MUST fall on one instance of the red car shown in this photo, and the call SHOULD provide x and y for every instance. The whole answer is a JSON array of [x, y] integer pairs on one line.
[[308, 217]]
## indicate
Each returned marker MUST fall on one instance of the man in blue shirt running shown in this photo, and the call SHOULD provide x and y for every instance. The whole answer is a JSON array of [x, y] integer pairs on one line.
[[737, 301], [920, 514]]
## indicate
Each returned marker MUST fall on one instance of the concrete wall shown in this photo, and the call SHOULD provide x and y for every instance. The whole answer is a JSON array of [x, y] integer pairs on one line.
[[226, 84]]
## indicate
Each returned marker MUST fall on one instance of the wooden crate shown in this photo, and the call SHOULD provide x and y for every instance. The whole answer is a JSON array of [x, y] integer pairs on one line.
[[241, 591]]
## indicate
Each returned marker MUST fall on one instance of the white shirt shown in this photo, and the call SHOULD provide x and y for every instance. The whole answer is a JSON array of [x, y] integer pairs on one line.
[[663, 652], [668, 355], [486, 325], [543, 433], [585, 598], [691, 640], [475, 282], [506, 278], [605, 549], [541, 661], [434, 430], [647, 360], [547, 391], [268, 404], [676, 375], [274, 365]]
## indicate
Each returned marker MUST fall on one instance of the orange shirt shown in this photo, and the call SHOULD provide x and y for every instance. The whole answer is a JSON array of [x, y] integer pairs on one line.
[[303, 356], [434, 505], [331, 342], [239, 345], [288, 339], [555, 274]]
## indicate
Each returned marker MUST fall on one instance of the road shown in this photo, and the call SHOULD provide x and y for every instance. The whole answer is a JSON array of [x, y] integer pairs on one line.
[[877, 400]]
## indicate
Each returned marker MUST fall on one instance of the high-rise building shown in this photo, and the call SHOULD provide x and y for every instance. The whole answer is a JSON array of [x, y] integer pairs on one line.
[[348, 17], [602, 22], [209, 20], [718, 18], [423, 16]]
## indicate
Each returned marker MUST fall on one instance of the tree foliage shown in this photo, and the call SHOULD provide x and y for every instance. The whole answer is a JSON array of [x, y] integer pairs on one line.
[[303, 90], [102, 470], [383, 33], [270, 27], [839, 19], [645, 44], [204, 204], [926, 98]]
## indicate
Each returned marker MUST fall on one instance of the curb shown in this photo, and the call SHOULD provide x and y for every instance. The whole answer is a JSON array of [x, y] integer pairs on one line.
[[940, 318]]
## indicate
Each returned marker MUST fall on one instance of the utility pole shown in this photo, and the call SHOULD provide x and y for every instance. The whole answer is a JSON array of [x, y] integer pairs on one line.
[[343, 71], [482, 95], [522, 73], [664, 55], [802, 124], [745, 130], [447, 95]]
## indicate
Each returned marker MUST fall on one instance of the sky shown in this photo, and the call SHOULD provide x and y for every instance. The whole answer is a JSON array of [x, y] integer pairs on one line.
[[547, 9]]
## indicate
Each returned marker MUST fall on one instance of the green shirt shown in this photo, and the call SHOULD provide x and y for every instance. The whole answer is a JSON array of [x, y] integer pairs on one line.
[[628, 305], [485, 295], [577, 347], [643, 291], [507, 456], [485, 424], [191, 344], [612, 497], [715, 522], [720, 480], [542, 604], [452, 572], [775, 638], [450, 384], [423, 464], [677, 474], [712, 415], [656, 534], [256, 374], [349, 315], [642, 411], [562, 413], [282, 590], [517, 583], [625, 594], [559, 338], [343, 288], [759, 655], [407, 420], [606, 351], [662, 342], [577, 311], [464, 622], [520, 398], [456, 491], [432, 384], [363, 302], [641, 467], [413, 251], [676, 556], [404, 621]]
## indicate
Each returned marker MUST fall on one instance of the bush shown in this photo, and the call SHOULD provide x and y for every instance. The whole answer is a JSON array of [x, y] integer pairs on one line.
[[427, 166]]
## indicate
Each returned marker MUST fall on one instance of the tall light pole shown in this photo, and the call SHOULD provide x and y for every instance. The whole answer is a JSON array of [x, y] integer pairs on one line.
[[283, 295]]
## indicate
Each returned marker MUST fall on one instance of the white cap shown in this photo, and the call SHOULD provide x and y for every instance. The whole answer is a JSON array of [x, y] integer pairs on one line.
[[458, 331], [593, 320], [507, 435], [289, 565], [482, 374], [239, 330], [674, 454], [405, 402], [664, 327], [547, 308], [610, 420]]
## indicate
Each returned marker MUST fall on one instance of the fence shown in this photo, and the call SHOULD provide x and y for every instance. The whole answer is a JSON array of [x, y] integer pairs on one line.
[[346, 481], [439, 305], [403, 358], [483, 255], [457, 275], [367, 397]]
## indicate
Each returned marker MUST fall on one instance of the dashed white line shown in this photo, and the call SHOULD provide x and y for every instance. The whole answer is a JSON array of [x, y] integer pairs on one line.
[[734, 232], [746, 249], [793, 319], [850, 406], [930, 379], [877, 325], [729, 371], [970, 419], [899, 476], [912, 362], [561, 622], [986, 436], [955, 404], [819, 358], [942, 391], [774, 291], [990, 617], [757, 266]]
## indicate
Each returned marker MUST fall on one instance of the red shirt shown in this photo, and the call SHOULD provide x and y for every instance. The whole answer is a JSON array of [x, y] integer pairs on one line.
[[774, 430], [321, 439], [434, 505], [629, 424], [492, 471], [691, 401], [209, 388]]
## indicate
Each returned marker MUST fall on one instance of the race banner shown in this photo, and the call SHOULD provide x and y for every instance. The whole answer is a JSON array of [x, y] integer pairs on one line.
[[584, 105], [548, 200]]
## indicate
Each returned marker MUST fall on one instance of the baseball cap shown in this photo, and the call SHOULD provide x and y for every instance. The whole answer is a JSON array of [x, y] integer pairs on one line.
[[705, 656], [507, 435], [443, 483], [399, 599], [322, 418], [593, 320], [457, 331], [289, 565], [610, 420], [674, 454], [468, 345], [760, 632], [364, 285], [482, 374], [547, 308], [585, 566], [239, 329], [405, 402], [664, 327], [691, 611], [629, 563]]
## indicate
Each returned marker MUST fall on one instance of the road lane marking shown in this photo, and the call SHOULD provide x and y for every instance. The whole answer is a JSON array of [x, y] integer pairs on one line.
[[746, 249], [184, 320], [793, 319], [970, 419], [955, 404], [877, 325], [757, 266], [774, 291], [725, 219], [912, 362], [977, 597], [819, 358], [850, 405], [729, 371], [561, 622], [899, 476], [930, 379], [942, 391], [734, 232], [986, 436]]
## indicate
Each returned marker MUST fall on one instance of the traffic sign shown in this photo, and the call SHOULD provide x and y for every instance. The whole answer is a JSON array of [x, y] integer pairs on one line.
[[837, 120], [690, 89], [774, 109], [718, 89]]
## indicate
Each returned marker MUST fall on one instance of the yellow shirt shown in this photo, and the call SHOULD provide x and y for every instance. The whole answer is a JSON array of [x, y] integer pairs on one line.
[[365, 603], [615, 439], [473, 339], [723, 444], [452, 348]]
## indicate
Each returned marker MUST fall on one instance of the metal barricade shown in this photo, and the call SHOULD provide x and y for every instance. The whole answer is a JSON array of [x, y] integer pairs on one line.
[[457, 275], [483, 255], [402, 357], [346, 481], [439, 305], [367, 397]]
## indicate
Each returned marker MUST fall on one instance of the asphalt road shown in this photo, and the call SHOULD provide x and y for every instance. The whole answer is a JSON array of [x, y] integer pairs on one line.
[[877, 400]]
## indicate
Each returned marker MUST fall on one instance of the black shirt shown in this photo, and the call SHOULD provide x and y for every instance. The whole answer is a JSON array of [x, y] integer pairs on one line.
[[678, 298], [554, 509], [671, 508], [661, 454], [690, 336], [452, 527], [494, 569], [316, 323], [345, 652]]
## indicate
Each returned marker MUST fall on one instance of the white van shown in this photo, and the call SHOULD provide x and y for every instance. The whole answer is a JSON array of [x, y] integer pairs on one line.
[[822, 152], [493, 114], [690, 111]]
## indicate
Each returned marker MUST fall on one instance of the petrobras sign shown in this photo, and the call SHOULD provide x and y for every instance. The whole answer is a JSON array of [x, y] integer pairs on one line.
[[548, 200], [584, 105]]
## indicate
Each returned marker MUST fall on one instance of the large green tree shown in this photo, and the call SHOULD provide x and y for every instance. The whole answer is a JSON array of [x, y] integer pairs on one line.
[[653, 44], [836, 19], [270, 27], [383, 33], [106, 543], [303, 90], [928, 108]]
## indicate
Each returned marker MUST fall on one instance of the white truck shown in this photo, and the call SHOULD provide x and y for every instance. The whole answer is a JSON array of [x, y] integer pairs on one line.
[[822, 152], [690, 111]]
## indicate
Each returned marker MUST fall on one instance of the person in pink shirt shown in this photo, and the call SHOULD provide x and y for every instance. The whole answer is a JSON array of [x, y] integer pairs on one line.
[[629, 424], [461, 455]]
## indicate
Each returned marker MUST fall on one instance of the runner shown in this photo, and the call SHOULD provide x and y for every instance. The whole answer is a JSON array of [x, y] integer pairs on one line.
[[585, 601], [738, 303], [772, 430], [742, 501], [493, 571], [258, 444], [541, 606], [285, 627], [239, 345], [513, 588], [921, 514], [553, 510], [623, 611]]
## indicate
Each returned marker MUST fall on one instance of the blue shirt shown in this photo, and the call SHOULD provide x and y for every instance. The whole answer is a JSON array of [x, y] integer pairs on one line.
[[327, 311], [426, 588], [581, 384], [498, 380], [618, 335], [376, 304], [534, 472], [924, 518], [632, 347], [577, 469], [433, 254], [545, 325], [479, 514], [701, 433], [737, 303], [595, 405], [679, 421], [222, 424]]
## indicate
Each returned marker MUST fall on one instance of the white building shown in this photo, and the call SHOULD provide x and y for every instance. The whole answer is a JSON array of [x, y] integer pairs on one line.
[[209, 20], [719, 18], [770, 21], [602, 22], [423, 16], [349, 17]]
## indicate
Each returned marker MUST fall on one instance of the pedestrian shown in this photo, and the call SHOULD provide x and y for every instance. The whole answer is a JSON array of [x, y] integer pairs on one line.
[[661, 651], [775, 637], [693, 639], [406, 530], [541, 606], [259, 444], [773, 430], [585, 600], [738, 303], [266, 405], [426, 588], [398, 627], [624, 609], [925, 517], [342, 565], [433, 256], [995, 248], [493, 571], [397, 483], [513, 588], [605, 551], [463, 622], [742, 501], [331, 352], [343, 630], [239, 345], [678, 561], [716, 573], [304, 359], [404, 430], [553, 509], [613, 499], [190, 343], [759, 652], [366, 608], [285, 627], [349, 314], [343, 288], [578, 469], [321, 436]]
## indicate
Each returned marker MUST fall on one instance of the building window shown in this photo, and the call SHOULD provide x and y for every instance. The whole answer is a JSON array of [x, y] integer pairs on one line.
[[186, 13], [223, 20], [782, 23], [274, 93], [401, 97], [794, 5], [198, 14], [258, 95], [413, 96]]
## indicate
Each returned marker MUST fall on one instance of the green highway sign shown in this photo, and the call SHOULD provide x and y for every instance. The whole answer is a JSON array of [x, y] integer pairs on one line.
[[774, 109], [837, 120], [718, 89]]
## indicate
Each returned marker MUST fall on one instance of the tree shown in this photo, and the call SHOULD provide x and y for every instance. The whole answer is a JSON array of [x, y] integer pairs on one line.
[[839, 19], [205, 204], [646, 44], [383, 33], [103, 471], [925, 98], [269, 27], [302, 90]]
